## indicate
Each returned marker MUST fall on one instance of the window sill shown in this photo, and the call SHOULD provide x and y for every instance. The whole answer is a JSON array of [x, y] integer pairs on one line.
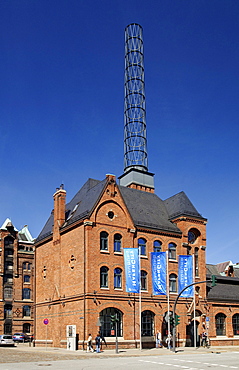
[[104, 251], [118, 289], [104, 288], [143, 256], [118, 253]]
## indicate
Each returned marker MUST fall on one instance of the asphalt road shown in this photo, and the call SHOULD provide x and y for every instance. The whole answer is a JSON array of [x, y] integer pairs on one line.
[[57, 359]]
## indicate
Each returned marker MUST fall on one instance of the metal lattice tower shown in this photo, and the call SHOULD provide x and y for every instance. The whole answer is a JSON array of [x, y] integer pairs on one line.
[[135, 141]]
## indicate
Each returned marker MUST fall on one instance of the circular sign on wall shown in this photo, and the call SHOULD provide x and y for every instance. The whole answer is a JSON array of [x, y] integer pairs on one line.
[[45, 321]]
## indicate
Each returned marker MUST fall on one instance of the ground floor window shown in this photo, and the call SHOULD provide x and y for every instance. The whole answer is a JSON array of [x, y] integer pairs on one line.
[[26, 328], [220, 324], [109, 329], [147, 323], [235, 324]]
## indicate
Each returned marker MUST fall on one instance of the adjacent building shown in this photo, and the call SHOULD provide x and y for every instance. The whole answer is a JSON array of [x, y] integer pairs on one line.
[[16, 279]]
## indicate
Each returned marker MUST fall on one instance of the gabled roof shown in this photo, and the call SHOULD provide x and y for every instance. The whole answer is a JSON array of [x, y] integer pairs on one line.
[[147, 210], [80, 207], [227, 287], [180, 205], [6, 222]]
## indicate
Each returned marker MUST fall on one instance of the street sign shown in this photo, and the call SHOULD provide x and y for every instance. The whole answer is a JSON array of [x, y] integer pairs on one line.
[[207, 318], [46, 321]]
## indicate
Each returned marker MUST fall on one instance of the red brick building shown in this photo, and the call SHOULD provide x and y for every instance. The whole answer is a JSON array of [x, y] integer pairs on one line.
[[16, 280], [80, 268]]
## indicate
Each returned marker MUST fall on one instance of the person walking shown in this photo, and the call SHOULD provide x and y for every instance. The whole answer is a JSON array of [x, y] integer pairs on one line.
[[158, 339], [97, 342], [89, 344]]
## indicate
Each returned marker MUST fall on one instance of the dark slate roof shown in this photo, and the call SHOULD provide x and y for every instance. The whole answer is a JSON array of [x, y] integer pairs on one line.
[[147, 210], [226, 289], [180, 205], [80, 207]]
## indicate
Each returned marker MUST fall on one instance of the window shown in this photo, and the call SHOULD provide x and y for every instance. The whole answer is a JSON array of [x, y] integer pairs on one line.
[[7, 311], [196, 262], [117, 278], [8, 293], [143, 276], [107, 326], [26, 328], [193, 234], [142, 246], [104, 241], [26, 266], [147, 323], [117, 243], [26, 279], [26, 293], [172, 251], [26, 311], [104, 277], [235, 324], [220, 320], [8, 266], [173, 283], [157, 246]]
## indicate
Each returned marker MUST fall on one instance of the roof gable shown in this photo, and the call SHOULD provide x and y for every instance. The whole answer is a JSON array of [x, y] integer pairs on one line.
[[180, 205], [147, 210]]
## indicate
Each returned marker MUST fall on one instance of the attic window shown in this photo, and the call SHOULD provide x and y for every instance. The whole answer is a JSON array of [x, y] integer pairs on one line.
[[73, 211]]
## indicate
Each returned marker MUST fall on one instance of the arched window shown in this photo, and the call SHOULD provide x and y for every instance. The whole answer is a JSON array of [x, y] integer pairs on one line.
[[147, 323], [142, 246], [106, 326], [193, 234], [26, 311], [26, 293], [157, 246], [117, 243], [26, 328], [117, 278], [235, 324], [220, 321], [104, 241], [173, 283], [26, 279], [172, 251], [143, 276], [196, 262], [104, 277]]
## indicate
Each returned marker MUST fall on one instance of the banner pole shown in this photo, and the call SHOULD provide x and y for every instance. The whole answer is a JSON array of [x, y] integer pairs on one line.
[[140, 303], [194, 305], [168, 301]]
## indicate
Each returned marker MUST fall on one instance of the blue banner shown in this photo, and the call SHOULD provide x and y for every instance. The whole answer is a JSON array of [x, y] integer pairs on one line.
[[159, 270], [131, 264], [185, 275]]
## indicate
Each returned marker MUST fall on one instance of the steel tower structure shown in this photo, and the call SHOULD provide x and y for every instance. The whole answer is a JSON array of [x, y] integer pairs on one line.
[[136, 173], [135, 141]]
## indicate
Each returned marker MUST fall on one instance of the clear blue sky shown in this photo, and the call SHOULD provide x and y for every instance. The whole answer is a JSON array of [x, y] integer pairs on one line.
[[61, 104]]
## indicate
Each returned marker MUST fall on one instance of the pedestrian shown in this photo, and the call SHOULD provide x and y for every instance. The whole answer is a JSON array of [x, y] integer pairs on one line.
[[204, 339], [89, 344], [168, 341], [158, 339], [97, 342]]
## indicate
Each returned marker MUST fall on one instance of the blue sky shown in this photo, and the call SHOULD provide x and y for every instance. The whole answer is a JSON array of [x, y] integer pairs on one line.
[[61, 104]]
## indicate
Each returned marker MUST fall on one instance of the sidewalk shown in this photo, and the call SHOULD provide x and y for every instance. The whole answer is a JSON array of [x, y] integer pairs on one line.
[[126, 352]]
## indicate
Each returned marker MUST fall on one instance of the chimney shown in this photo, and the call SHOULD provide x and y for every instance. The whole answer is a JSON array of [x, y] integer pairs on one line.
[[59, 207]]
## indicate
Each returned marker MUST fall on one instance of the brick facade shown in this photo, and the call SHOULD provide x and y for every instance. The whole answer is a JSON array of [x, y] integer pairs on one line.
[[68, 265], [17, 280]]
